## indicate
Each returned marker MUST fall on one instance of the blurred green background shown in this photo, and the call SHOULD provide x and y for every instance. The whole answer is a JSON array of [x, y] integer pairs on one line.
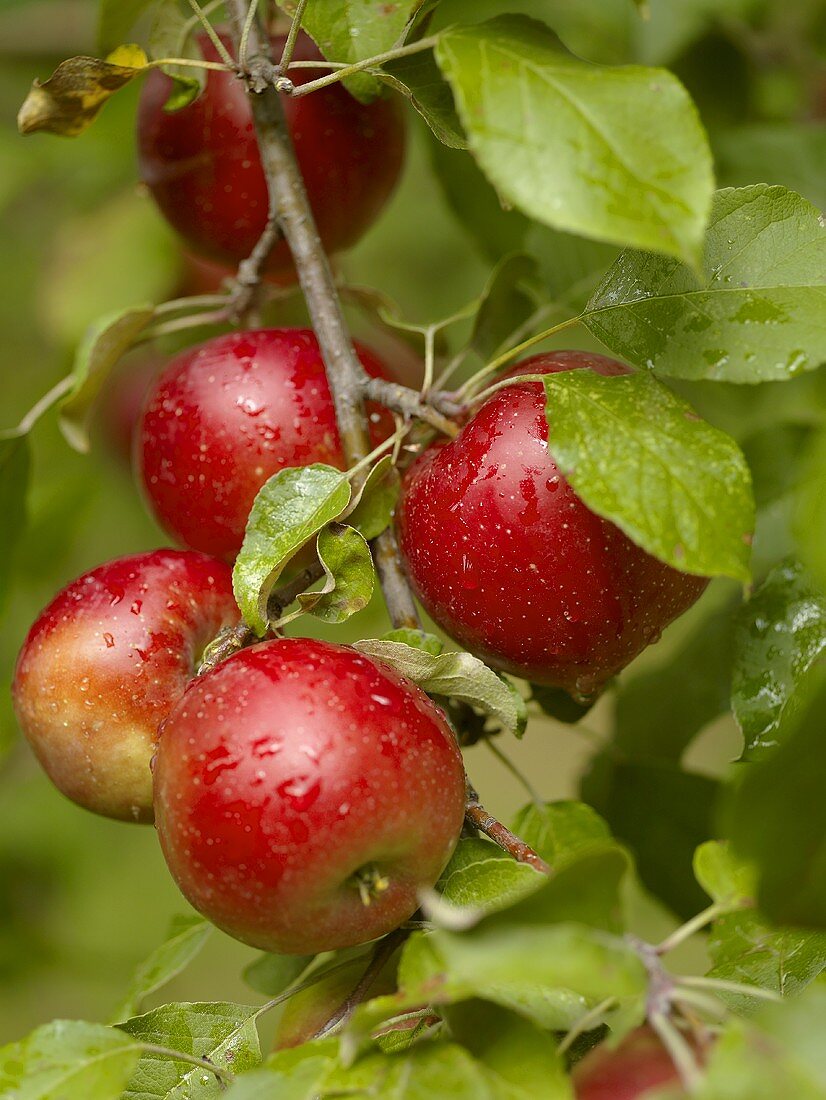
[[83, 899]]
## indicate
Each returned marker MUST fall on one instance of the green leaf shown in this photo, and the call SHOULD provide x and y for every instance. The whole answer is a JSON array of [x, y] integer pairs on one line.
[[513, 1049], [582, 960], [272, 974], [778, 817], [640, 456], [290, 508], [617, 154], [289, 1075], [223, 1033], [187, 935], [349, 574], [67, 1059], [354, 30], [744, 948], [418, 78], [561, 831], [105, 343], [778, 1054], [662, 814], [15, 463], [660, 710], [423, 970], [779, 634], [371, 510], [424, 1071], [481, 876], [69, 101], [456, 675], [504, 306], [116, 18], [755, 315], [727, 880]]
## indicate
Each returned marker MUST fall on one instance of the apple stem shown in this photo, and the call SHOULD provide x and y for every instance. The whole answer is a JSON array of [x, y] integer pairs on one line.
[[477, 816]]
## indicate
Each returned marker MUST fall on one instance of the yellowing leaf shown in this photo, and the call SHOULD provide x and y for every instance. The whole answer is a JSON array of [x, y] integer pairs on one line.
[[69, 101]]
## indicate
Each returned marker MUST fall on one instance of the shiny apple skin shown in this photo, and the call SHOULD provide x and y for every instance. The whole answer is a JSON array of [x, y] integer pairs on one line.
[[511, 564], [288, 768], [631, 1071], [105, 662], [203, 168], [224, 417]]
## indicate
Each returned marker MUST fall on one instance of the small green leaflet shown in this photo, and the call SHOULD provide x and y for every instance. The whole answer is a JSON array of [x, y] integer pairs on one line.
[[580, 147], [755, 315], [290, 508], [104, 344], [640, 456], [67, 1059], [779, 634], [456, 675], [187, 935], [349, 575]]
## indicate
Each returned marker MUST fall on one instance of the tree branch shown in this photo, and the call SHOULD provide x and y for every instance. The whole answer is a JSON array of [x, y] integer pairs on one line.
[[477, 816], [347, 378]]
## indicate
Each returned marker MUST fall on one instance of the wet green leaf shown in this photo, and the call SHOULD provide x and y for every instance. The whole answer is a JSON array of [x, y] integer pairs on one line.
[[640, 456], [481, 876], [578, 147], [349, 575], [288, 511], [371, 510], [779, 634], [418, 78], [456, 675], [68, 1060], [756, 313]]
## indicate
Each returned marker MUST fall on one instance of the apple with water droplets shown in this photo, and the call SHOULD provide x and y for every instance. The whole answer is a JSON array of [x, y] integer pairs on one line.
[[105, 662], [203, 167], [631, 1071], [508, 560], [225, 416], [305, 794]]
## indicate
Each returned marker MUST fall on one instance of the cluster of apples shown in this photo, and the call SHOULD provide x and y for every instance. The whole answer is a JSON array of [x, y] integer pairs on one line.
[[303, 793]]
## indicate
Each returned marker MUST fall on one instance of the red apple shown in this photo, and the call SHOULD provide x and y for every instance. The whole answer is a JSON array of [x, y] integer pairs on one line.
[[510, 562], [636, 1067], [224, 417], [104, 663], [304, 794], [203, 168]]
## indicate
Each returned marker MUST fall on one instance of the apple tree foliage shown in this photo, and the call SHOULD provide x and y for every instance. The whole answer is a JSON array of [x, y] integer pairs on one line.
[[645, 179]]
